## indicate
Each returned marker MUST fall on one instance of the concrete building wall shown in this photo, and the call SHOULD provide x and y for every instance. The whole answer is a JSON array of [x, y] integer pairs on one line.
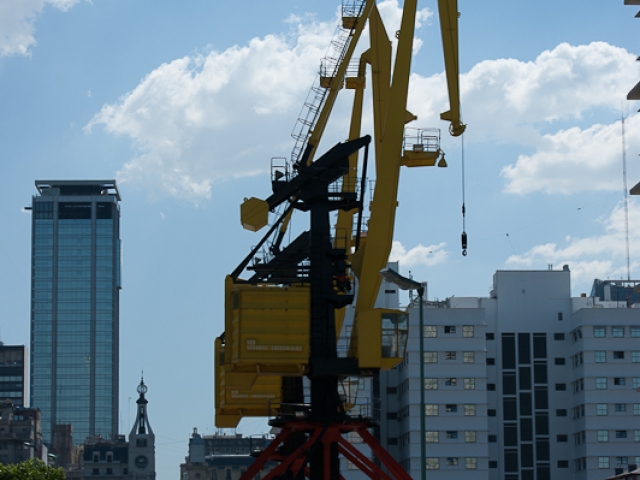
[[539, 393]]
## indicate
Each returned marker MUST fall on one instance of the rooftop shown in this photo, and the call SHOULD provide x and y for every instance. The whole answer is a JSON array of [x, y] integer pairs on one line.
[[80, 187]]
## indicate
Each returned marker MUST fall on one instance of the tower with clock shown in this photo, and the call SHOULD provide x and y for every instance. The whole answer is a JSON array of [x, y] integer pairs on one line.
[[142, 462]]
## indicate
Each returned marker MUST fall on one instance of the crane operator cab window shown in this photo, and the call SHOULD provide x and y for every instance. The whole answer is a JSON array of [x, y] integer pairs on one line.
[[395, 330]]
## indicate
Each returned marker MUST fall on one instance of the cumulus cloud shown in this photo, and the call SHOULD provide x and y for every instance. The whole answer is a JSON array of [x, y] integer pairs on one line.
[[511, 101], [602, 256], [419, 255], [207, 118], [574, 160], [17, 19]]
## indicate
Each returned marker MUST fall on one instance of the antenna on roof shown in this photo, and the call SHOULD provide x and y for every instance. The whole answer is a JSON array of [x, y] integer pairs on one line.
[[626, 195]]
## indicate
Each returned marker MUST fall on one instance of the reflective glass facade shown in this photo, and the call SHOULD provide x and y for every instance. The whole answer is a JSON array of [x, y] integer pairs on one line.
[[74, 323]]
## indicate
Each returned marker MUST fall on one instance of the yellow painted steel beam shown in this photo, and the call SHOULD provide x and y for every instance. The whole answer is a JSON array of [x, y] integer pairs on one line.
[[344, 222], [383, 207], [448, 11]]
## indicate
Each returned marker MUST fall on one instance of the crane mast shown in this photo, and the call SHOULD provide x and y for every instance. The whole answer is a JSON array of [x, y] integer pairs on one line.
[[282, 322]]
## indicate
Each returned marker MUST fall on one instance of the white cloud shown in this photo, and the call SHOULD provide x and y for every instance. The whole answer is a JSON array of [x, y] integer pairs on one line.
[[602, 256], [419, 255], [206, 118], [17, 19], [574, 160], [510, 101]]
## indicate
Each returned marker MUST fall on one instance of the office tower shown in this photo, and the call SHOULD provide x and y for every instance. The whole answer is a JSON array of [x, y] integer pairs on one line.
[[13, 374], [75, 281], [528, 383]]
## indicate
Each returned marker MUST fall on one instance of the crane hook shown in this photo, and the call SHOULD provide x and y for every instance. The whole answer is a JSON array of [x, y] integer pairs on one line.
[[464, 244]]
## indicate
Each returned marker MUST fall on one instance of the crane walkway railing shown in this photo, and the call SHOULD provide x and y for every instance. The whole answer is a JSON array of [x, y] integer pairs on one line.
[[351, 10]]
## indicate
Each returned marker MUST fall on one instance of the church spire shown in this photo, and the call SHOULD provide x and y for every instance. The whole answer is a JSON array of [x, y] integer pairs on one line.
[[142, 426], [142, 441]]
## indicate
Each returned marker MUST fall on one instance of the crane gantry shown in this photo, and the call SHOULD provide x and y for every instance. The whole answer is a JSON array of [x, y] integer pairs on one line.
[[282, 322]]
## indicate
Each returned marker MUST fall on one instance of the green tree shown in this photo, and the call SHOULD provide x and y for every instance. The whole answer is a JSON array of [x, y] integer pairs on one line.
[[30, 470]]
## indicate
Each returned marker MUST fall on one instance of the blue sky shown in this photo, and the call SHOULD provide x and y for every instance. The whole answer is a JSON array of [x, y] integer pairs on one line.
[[185, 103]]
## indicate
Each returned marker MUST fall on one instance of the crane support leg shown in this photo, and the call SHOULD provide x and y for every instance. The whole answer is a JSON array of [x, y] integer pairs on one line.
[[327, 441]]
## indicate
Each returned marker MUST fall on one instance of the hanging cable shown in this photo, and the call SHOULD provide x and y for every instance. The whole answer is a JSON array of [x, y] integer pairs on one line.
[[464, 208]]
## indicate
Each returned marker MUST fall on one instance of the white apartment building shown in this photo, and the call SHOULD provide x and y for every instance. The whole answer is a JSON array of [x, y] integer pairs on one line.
[[527, 384]]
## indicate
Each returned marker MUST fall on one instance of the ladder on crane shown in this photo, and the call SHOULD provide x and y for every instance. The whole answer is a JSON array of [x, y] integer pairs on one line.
[[336, 53]]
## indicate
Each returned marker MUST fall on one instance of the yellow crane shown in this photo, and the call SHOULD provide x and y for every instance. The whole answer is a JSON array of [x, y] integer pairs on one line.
[[267, 317]]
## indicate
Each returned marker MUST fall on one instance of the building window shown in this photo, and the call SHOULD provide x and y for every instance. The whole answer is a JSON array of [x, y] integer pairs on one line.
[[636, 408], [430, 331], [432, 463], [558, 336], [451, 408], [603, 409], [430, 357], [560, 316], [563, 463], [450, 382], [599, 332], [561, 412], [449, 355], [470, 436], [635, 357], [562, 438], [559, 361], [469, 383], [431, 436], [600, 357], [561, 387], [431, 409], [493, 464], [622, 460], [601, 383], [109, 471], [451, 434], [619, 381], [635, 332], [95, 471], [471, 463], [621, 434], [450, 329], [491, 336], [492, 438], [491, 412], [603, 462], [636, 382], [468, 357], [491, 387], [469, 409], [491, 361], [618, 355], [468, 331], [430, 383], [617, 332], [620, 407], [452, 461], [636, 435], [603, 435]]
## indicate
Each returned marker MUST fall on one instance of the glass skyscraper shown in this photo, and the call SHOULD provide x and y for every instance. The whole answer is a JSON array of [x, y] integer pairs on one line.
[[75, 283]]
